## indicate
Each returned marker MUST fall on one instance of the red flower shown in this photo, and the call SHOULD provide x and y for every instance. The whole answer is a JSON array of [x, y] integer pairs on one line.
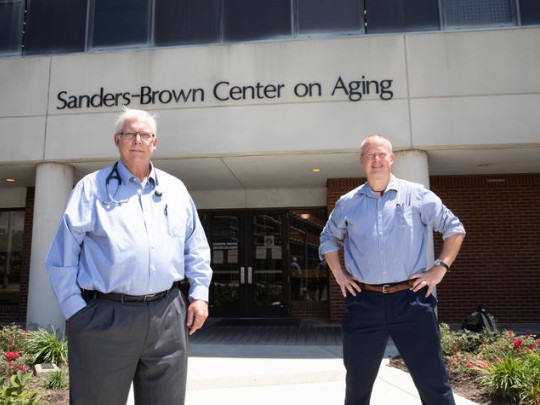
[[517, 343], [10, 342], [22, 368], [455, 348], [12, 355]]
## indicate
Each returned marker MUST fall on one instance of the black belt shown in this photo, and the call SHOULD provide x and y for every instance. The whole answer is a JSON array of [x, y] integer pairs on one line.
[[93, 294], [388, 288]]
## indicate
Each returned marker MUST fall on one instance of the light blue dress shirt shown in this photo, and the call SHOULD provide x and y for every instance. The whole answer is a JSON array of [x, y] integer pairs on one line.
[[385, 239], [138, 247]]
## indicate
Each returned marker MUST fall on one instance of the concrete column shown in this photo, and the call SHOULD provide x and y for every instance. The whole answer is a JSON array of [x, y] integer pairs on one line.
[[412, 165], [53, 184]]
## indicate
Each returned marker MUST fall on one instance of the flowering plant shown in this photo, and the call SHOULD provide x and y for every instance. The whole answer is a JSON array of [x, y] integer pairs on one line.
[[506, 364], [13, 351]]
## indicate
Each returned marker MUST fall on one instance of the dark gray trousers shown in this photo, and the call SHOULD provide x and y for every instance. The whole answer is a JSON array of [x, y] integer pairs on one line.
[[112, 344]]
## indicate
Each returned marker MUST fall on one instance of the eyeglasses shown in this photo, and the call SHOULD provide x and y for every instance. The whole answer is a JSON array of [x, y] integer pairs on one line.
[[372, 156], [130, 136]]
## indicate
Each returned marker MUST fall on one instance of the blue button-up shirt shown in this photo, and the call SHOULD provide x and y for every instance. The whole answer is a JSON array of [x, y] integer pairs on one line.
[[139, 246], [385, 239]]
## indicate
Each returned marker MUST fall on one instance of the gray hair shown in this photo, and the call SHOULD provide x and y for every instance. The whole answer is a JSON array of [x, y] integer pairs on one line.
[[363, 144], [132, 113]]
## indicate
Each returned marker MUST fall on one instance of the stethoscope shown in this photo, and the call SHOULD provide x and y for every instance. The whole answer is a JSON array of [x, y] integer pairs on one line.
[[115, 175]]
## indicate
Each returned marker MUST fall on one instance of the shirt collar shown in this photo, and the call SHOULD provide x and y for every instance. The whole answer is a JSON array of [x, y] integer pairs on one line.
[[126, 176], [392, 185]]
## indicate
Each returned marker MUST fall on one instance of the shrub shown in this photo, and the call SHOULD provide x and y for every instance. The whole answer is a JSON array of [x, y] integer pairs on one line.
[[506, 364], [13, 339], [14, 349], [46, 347], [16, 391], [55, 380], [516, 379]]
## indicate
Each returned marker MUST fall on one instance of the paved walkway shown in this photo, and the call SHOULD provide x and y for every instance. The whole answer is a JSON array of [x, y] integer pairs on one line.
[[285, 364]]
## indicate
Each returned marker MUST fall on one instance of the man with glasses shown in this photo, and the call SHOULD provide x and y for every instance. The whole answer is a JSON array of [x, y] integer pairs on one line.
[[383, 226], [129, 235]]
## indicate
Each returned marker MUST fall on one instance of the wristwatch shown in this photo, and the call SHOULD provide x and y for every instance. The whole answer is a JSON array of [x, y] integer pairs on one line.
[[439, 262]]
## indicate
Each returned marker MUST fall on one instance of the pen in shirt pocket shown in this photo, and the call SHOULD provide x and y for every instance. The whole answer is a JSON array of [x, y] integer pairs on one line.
[[166, 210]]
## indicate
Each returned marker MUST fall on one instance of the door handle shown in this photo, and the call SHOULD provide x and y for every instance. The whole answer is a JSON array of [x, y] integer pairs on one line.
[[250, 275], [242, 275]]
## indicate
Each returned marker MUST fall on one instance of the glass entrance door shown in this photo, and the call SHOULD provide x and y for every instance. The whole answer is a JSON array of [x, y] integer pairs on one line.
[[248, 260]]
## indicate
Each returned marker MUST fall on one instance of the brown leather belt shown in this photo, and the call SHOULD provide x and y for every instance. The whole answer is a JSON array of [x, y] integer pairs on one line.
[[388, 288]]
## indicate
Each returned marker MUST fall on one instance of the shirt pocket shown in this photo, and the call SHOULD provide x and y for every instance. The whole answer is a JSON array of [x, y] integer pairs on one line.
[[176, 221], [404, 215]]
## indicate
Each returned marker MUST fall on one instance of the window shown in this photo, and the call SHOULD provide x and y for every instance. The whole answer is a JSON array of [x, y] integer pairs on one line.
[[11, 247], [11, 26], [529, 11], [471, 13], [55, 26], [116, 23], [308, 275], [257, 19], [325, 16], [187, 22], [389, 16]]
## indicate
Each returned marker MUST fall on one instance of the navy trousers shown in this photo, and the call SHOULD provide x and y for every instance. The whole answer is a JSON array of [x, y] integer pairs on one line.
[[409, 318], [112, 344]]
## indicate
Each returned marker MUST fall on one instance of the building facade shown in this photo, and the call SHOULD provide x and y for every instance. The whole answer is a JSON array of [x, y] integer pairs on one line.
[[261, 110]]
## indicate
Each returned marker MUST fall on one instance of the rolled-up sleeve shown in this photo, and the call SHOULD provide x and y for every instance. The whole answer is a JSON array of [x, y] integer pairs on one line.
[[333, 233], [439, 217]]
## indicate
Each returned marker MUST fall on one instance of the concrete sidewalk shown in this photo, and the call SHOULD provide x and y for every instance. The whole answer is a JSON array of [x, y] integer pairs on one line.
[[285, 375]]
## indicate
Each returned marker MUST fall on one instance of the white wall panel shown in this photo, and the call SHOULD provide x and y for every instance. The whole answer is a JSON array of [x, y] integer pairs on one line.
[[474, 63], [24, 86], [22, 138], [476, 121]]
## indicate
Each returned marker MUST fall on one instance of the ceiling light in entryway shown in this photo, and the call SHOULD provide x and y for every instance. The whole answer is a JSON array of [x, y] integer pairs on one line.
[[315, 170]]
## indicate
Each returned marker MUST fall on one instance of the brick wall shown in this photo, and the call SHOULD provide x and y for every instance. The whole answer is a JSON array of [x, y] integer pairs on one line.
[[499, 264]]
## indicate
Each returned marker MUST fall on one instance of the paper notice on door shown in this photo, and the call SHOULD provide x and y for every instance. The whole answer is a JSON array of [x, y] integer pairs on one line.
[[217, 257], [276, 253], [232, 256], [260, 252]]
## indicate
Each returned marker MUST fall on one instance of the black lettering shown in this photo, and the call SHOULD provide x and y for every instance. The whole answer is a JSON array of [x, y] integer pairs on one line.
[[168, 97], [62, 100], [216, 94], [340, 86], [146, 95], [354, 94], [386, 93], [84, 99]]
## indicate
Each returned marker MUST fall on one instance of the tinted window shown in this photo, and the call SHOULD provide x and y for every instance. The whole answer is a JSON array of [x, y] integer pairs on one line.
[[120, 23], [256, 19], [55, 26], [11, 255], [384, 16], [187, 21], [11, 20], [466, 13], [329, 16], [530, 12]]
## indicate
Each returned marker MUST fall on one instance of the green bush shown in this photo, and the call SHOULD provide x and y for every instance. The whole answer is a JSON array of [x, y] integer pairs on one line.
[[14, 351], [506, 364], [46, 347], [16, 392], [55, 380]]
